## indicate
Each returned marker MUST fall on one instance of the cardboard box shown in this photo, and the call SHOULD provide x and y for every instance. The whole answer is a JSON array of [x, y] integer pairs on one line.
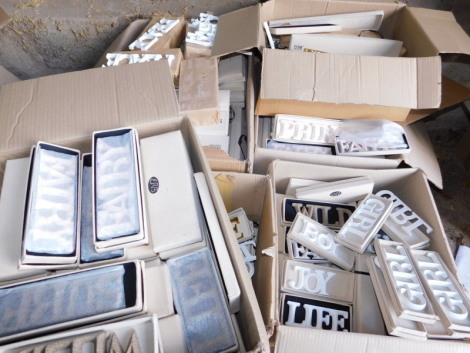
[[124, 39], [146, 328], [131, 303], [133, 230], [44, 234], [4, 18], [223, 162], [6, 76], [199, 90], [421, 156], [254, 194], [173, 39], [411, 186], [12, 206], [67, 108], [387, 90]]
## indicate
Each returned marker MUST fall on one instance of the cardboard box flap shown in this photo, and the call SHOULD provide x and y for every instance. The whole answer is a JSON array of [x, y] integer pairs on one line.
[[301, 340], [442, 30], [422, 154], [4, 18], [54, 108], [6, 76], [122, 41], [339, 79], [247, 23], [238, 30], [453, 93]]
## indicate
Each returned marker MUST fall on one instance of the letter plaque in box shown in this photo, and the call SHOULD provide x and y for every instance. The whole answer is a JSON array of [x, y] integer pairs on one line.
[[309, 313], [330, 215], [51, 218]]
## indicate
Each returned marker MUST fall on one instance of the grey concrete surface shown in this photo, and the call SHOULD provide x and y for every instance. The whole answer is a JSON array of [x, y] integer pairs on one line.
[[45, 37]]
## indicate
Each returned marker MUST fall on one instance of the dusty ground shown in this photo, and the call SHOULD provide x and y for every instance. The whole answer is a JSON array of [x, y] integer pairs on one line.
[[51, 36], [45, 37]]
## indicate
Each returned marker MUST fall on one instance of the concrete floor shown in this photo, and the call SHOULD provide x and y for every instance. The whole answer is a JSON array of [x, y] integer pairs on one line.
[[46, 37]]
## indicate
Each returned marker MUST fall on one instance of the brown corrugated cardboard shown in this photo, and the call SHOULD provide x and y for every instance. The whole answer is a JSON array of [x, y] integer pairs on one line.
[[66, 109], [333, 79], [64, 105], [453, 93], [421, 30], [122, 41], [427, 32], [300, 340], [414, 190], [6, 77], [421, 156], [4, 18], [253, 193], [221, 161], [199, 90], [172, 39]]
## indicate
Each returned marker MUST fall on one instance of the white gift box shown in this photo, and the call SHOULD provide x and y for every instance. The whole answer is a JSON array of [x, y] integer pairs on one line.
[[51, 218], [119, 215]]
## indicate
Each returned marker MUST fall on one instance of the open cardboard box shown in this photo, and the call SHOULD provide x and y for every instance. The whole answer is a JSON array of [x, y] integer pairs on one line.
[[65, 109], [145, 327], [422, 154], [383, 87], [411, 187], [222, 162], [254, 194]]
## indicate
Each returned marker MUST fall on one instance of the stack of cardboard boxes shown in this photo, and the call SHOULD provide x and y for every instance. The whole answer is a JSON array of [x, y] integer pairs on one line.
[[65, 109]]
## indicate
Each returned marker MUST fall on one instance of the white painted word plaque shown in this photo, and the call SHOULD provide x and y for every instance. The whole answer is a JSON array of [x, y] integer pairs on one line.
[[446, 293], [321, 240], [408, 295], [310, 313], [306, 130], [307, 279], [404, 225], [240, 225], [301, 253], [331, 215], [364, 223]]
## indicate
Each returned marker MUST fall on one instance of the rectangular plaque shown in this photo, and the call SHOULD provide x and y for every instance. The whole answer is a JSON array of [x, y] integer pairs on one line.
[[408, 295], [88, 252], [341, 191], [68, 300], [364, 223], [307, 130], [310, 313], [321, 240], [404, 225], [201, 304], [51, 218], [313, 280], [330, 215], [447, 295], [301, 253], [118, 212], [395, 325]]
